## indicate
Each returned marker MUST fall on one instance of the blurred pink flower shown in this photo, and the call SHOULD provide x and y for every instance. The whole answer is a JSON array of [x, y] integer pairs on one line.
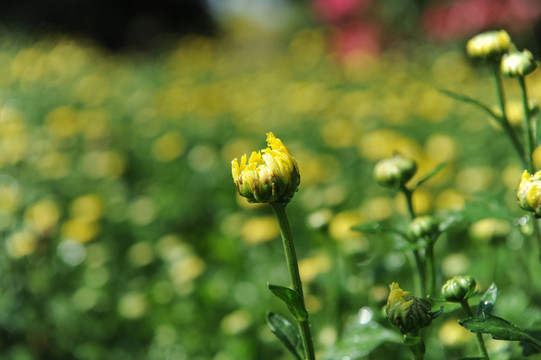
[[357, 38], [467, 17], [336, 10]]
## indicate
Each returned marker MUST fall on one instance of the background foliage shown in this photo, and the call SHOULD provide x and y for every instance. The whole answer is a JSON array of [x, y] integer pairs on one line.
[[122, 236]]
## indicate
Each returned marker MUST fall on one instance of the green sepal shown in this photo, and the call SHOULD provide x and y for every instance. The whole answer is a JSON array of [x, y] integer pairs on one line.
[[487, 301], [287, 334], [433, 172], [292, 299], [498, 329]]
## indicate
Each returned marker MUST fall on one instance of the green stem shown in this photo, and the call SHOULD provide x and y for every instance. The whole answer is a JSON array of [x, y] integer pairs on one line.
[[409, 200], [293, 269], [430, 267], [478, 336], [528, 124], [505, 122], [420, 279]]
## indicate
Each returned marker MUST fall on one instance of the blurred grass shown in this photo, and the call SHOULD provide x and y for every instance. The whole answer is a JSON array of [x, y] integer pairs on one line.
[[122, 234]]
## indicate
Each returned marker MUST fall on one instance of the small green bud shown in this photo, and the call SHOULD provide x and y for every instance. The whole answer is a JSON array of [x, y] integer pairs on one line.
[[394, 172], [458, 288], [423, 226], [517, 64], [407, 313], [489, 46]]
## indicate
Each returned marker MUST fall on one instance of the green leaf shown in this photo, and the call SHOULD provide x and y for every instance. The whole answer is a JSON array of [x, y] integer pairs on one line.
[[469, 100], [292, 299], [498, 328], [487, 301], [433, 172], [375, 227], [360, 339], [287, 334]]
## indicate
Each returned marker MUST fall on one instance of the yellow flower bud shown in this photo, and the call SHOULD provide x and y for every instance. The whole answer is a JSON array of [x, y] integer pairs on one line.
[[394, 172], [270, 175], [406, 312], [529, 192], [490, 45], [518, 64], [458, 288]]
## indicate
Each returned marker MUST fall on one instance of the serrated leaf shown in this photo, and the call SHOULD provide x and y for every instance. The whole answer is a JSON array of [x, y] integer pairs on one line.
[[287, 334], [360, 339], [433, 172], [487, 301], [470, 100], [498, 329], [292, 299]]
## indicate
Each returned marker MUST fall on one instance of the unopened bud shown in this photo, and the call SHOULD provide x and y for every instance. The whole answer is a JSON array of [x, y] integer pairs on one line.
[[407, 313], [458, 288], [394, 172], [269, 177], [517, 64], [529, 192], [423, 226], [489, 46]]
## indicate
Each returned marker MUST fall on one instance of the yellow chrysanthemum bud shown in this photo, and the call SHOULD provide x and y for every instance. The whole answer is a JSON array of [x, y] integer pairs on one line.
[[394, 172], [490, 45], [423, 226], [269, 177], [458, 288], [517, 64], [406, 312], [529, 192]]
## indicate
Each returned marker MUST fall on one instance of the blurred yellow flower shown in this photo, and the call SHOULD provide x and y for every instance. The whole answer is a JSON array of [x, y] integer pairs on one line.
[[89, 207], [79, 230], [341, 224], [236, 322], [61, 122], [261, 229], [168, 147], [132, 305], [21, 243], [42, 216], [309, 268], [490, 229], [103, 164], [452, 334]]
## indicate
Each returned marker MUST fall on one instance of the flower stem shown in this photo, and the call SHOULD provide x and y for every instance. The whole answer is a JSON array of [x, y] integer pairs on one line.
[[528, 124], [420, 278], [293, 269], [430, 268], [504, 121], [478, 336]]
